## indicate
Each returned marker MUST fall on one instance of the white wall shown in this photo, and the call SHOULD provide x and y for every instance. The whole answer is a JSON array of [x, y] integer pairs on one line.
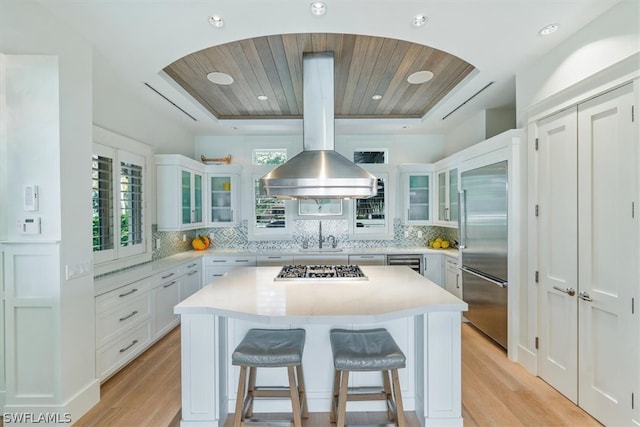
[[118, 109], [50, 72], [605, 41]]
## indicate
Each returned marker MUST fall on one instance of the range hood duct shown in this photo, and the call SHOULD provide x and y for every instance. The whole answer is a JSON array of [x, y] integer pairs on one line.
[[318, 172]]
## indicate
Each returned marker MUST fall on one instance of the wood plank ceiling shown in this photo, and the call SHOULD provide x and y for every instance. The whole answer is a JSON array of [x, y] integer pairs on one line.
[[364, 66]]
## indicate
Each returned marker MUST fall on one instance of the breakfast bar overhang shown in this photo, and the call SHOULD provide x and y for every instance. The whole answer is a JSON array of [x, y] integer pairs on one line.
[[422, 317]]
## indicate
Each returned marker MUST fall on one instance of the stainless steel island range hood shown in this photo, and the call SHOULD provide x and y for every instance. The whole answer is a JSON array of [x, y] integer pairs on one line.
[[318, 172]]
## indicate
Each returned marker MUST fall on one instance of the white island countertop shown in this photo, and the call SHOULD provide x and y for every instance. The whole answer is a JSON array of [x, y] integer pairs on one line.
[[250, 293]]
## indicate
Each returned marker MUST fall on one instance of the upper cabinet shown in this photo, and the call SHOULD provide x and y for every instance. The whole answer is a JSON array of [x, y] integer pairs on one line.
[[180, 192], [416, 189], [447, 196], [223, 190]]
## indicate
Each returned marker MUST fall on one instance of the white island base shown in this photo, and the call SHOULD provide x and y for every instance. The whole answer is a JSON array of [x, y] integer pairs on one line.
[[423, 319]]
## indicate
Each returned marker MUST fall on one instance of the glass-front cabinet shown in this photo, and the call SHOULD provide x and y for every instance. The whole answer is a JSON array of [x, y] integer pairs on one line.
[[180, 192], [416, 192], [191, 192], [223, 188], [448, 202]]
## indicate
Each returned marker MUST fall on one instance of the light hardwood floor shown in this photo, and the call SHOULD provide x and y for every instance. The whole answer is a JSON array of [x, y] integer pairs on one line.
[[495, 392]]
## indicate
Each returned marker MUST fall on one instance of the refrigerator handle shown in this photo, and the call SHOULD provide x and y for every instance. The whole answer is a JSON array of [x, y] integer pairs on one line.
[[462, 218]]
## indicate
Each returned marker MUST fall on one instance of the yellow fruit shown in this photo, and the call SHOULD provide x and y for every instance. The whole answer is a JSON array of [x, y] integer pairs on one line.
[[200, 243], [436, 245], [444, 244], [439, 239]]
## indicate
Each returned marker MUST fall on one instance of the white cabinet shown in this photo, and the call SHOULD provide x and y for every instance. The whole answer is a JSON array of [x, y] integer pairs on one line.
[[166, 294], [215, 266], [191, 280], [368, 259], [452, 279], [447, 196], [321, 259], [223, 195], [274, 260], [130, 317], [416, 190], [123, 325], [432, 268], [179, 192]]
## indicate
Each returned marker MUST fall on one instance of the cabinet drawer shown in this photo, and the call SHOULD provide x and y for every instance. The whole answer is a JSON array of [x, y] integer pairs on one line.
[[368, 259], [110, 323], [235, 261], [188, 268], [212, 274], [274, 260], [111, 357], [122, 295], [166, 276]]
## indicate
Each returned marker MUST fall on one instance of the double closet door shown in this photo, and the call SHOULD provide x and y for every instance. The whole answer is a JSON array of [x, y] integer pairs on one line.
[[588, 256]]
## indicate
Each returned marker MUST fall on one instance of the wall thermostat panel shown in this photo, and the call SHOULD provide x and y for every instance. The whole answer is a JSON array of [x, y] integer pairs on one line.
[[31, 197], [29, 225]]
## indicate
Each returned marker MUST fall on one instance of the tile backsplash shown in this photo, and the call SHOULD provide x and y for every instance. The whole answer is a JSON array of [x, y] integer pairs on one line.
[[167, 243]]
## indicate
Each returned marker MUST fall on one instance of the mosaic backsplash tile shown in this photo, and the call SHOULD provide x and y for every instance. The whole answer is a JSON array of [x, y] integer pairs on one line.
[[171, 243]]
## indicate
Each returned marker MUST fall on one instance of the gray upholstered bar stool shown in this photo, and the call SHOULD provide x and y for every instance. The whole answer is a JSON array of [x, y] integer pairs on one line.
[[270, 348], [366, 350]]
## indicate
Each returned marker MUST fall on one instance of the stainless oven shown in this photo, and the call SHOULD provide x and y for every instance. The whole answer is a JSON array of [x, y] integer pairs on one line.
[[412, 261]]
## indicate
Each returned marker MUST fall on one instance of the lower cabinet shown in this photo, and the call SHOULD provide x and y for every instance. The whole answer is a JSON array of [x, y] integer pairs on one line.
[[452, 279], [132, 317], [165, 296], [215, 266], [432, 268]]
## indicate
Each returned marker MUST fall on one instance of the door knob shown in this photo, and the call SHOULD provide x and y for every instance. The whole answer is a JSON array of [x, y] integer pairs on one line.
[[585, 296]]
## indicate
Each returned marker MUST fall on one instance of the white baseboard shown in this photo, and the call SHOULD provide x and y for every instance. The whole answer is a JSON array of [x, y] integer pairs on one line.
[[528, 359], [54, 415]]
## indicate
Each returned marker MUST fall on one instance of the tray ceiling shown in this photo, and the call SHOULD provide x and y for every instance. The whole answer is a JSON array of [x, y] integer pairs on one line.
[[364, 66]]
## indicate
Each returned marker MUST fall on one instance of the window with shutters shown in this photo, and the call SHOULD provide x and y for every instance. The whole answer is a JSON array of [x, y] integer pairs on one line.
[[119, 192]]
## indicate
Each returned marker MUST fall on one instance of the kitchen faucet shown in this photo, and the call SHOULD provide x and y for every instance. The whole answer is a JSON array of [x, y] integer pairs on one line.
[[322, 239]]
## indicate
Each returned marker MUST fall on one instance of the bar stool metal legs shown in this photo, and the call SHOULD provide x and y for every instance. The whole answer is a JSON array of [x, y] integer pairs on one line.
[[270, 348], [368, 350]]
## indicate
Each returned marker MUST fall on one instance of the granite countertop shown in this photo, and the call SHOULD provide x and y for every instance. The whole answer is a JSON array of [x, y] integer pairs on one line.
[[250, 293]]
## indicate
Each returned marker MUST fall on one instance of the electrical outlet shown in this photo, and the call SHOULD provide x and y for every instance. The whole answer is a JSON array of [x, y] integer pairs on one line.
[[184, 237], [419, 234], [406, 233], [158, 243]]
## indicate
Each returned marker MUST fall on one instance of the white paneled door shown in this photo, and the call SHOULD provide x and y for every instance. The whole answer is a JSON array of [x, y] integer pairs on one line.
[[558, 252], [608, 250], [588, 254]]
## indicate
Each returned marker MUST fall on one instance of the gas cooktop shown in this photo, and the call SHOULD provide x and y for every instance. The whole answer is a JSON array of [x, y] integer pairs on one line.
[[325, 272]]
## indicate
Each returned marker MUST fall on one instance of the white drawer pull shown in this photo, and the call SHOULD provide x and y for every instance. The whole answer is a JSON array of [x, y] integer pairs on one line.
[[122, 319], [169, 284], [128, 293], [134, 342]]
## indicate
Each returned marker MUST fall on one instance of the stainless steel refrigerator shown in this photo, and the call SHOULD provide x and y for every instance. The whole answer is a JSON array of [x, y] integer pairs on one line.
[[483, 244]]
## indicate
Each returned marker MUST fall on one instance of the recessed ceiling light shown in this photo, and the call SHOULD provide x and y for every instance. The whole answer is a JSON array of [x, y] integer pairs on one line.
[[419, 20], [262, 97], [420, 77], [549, 29], [220, 78], [318, 8], [376, 97], [216, 21]]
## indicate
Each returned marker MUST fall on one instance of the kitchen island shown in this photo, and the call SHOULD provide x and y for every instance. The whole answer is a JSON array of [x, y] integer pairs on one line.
[[423, 318]]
